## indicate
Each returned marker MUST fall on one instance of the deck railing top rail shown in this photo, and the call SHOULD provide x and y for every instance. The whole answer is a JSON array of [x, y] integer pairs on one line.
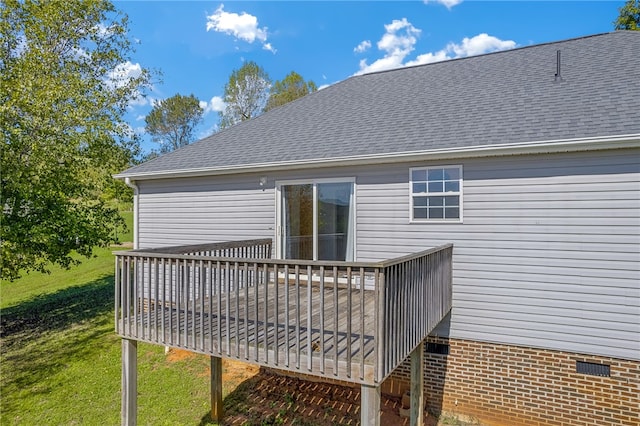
[[412, 256], [197, 248], [183, 252]]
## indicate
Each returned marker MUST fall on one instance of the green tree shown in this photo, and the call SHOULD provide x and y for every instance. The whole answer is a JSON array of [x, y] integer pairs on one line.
[[245, 94], [172, 121], [65, 83], [289, 89], [629, 18]]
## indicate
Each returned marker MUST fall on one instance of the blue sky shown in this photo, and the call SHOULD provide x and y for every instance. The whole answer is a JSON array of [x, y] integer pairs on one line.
[[196, 45]]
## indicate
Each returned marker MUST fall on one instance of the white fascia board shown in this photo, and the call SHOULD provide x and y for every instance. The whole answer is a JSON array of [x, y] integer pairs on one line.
[[541, 147]]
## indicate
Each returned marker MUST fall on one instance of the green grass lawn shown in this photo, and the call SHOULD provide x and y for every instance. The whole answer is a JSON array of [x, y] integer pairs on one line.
[[128, 234], [60, 357]]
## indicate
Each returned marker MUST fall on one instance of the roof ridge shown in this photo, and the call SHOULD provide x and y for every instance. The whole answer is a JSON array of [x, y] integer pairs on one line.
[[496, 52]]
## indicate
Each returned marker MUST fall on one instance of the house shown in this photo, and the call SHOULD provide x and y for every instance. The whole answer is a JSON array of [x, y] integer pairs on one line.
[[527, 161]]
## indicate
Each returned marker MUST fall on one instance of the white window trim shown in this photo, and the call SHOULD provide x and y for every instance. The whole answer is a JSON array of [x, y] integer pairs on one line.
[[278, 193], [460, 193]]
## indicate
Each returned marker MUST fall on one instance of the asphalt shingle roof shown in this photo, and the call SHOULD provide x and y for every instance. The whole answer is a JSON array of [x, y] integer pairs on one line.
[[499, 98]]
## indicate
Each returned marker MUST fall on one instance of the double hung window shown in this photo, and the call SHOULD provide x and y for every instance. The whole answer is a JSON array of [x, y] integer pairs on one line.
[[436, 193]]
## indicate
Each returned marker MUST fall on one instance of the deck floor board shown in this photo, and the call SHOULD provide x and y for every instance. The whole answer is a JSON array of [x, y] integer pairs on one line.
[[243, 327]]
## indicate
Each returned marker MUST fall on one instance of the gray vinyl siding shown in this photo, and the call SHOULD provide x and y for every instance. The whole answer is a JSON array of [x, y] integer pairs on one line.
[[547, 255], [199, 210]]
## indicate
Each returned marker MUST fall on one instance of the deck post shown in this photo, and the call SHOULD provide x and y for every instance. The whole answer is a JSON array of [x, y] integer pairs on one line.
[[216, 389], [370, 405], [129, 413], [417, 385]]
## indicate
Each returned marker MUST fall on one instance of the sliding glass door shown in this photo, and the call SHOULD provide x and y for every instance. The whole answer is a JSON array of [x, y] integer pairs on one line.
[[316, 221]]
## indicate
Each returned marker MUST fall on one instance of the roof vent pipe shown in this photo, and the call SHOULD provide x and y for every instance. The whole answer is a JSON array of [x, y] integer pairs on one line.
[[558, 68]]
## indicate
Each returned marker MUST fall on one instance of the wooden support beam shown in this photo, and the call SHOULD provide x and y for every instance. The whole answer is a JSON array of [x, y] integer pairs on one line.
[[369, 405], [417, 386], [216, 389], [129, 410]]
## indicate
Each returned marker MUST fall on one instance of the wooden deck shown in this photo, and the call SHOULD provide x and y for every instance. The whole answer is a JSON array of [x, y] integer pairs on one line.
[[351, 321]]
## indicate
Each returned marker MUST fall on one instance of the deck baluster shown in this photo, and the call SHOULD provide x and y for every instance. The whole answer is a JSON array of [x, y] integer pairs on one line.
[[322, 354], [276, 314], [245, 316], [309, 320], [297, 287], [336, 320]]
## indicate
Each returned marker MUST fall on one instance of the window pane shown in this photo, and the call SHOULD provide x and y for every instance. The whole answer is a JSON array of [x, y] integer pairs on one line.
[[420, 201], [436, 186], [419, 187], [419, 213], [419, 175], [436, 174], [452, 213], [452, 186], [451, 201], [297, 221], [436, 213], [436, 201], [334, 214], [452, 174]]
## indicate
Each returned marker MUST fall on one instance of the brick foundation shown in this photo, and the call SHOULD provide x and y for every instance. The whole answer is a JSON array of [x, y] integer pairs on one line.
[[511, 385]]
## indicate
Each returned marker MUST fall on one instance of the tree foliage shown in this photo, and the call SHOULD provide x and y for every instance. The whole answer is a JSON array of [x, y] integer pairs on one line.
[[629, 17], [245, 94], [64, 86], [289, 89], [172, 121]]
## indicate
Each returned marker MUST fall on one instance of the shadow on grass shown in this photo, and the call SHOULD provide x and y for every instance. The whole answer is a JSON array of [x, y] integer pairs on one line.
[[271, 399], [42, 335], [56, 311], [236, 402]]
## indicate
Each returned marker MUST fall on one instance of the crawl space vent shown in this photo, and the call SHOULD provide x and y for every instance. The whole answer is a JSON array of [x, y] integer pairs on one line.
[[593, 369], [437, 348]]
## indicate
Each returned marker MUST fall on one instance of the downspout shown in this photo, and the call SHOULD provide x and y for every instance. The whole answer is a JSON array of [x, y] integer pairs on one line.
[[131, 184]]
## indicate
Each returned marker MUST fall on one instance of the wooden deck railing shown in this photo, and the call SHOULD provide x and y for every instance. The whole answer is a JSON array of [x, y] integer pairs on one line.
[[415, 298], [353, 321], [253, 249]]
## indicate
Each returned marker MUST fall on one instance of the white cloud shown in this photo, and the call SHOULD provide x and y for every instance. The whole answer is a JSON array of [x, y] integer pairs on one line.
[[242, 26], [447, 3], [427, 58], [124, 72], [397, 40], [400, 38], [362, 47], [127, 130], [121, 75], [482, 43], [140, 100], [216, 104], [396, 43], [477, 45], [103, 31], [131, 132], [269, 47]]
